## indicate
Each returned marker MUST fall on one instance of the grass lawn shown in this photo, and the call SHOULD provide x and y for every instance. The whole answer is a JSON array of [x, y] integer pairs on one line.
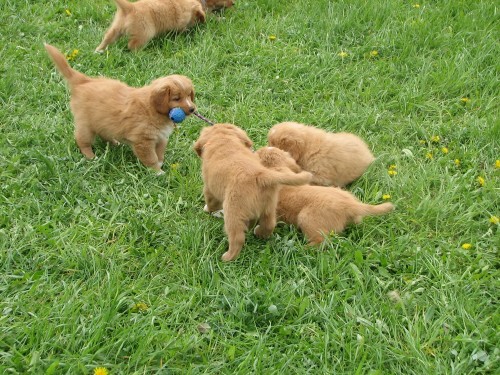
[[105, 264]]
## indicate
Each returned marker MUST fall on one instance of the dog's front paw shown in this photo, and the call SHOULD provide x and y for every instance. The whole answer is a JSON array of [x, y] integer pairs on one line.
[[160, 172], [98, 50], [227, 257], [206, 208], [219, 214]]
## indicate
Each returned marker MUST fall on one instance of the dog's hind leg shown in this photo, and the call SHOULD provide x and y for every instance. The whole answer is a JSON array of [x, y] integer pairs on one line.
[[84, 138], [235, 230], [112, 34], [267, 222]]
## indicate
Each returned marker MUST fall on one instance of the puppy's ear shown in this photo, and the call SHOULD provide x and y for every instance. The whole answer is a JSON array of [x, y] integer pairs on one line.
[[244, 137], [292, 145], [160, 99]]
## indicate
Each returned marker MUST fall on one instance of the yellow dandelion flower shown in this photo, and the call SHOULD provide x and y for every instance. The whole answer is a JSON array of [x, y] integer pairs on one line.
[[429, 156], [68, 12], [374, 53], [416, 5], [465, 100], [174, 166], [343, 54], [480, 180], [422, 142], [457, 162], [101, 371], [72, 55], [494, 220], [392, 167], [272, 37], [139, 306], [386, 197], [435, 139], [392, 173], [445, 150], [466, 246], [497, 164]]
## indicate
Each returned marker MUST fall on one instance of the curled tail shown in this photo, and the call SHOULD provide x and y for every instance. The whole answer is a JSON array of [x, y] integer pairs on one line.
[[71, 75], [273, 177], [123, 5], [379, 209]]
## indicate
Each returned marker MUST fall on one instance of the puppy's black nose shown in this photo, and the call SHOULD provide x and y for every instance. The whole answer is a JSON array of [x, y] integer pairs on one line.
[[191, 109]]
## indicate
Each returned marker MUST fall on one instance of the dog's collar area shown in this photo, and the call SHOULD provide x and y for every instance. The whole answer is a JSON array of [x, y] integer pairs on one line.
[[203, 118]]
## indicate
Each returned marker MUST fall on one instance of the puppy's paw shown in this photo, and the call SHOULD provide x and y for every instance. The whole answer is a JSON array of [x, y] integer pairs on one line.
[[160, 172], [99, 50], [219, 214], [206, 208], [261, 232], [227, 257]]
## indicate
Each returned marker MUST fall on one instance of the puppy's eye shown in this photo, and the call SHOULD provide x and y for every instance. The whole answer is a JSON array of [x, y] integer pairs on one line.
[[176, 98]]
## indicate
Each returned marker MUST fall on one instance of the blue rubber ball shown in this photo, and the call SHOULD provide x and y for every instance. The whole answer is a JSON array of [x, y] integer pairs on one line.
[[177, 115]]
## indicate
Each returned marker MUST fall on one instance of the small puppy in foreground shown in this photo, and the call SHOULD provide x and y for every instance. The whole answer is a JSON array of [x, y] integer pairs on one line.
[[333, 158], [145, 19], [120, 113], [316, 210], [235, 180]]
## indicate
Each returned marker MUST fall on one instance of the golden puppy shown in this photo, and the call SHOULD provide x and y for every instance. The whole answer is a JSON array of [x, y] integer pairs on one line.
[[316, 210], [235, 180], [145, 19], [333, 158], [120, 113]]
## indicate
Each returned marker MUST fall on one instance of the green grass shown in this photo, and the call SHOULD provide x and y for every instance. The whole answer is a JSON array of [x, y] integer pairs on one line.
[[82, 242]]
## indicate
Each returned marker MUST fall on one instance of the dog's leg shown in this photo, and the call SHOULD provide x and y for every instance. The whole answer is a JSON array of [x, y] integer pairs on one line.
[[235, 230], [211, 203], [200, 15], [139, 34], [112, 34], [267, 222], [84, 138], [160, 149], [310, 227], [146, 153]]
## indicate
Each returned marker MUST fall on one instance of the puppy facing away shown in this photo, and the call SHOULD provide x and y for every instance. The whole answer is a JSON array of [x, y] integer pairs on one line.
[[145, 19], [120, 113], [333, 158], [235, 180], [316, 210]]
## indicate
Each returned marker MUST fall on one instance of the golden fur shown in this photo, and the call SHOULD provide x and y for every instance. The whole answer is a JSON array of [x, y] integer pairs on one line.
[[145, 19], [235, 180], [120, 113], [333, 158], [316, 210]]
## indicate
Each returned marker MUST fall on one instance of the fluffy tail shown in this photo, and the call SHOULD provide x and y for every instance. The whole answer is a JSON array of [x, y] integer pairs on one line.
[[123, 5], [273, 177], [71, 75], [371, 210]]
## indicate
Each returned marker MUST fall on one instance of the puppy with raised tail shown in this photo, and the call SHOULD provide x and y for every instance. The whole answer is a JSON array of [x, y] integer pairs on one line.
[[333, 158], [236, 181], [145, 19], [316, 210], [119, 113]]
